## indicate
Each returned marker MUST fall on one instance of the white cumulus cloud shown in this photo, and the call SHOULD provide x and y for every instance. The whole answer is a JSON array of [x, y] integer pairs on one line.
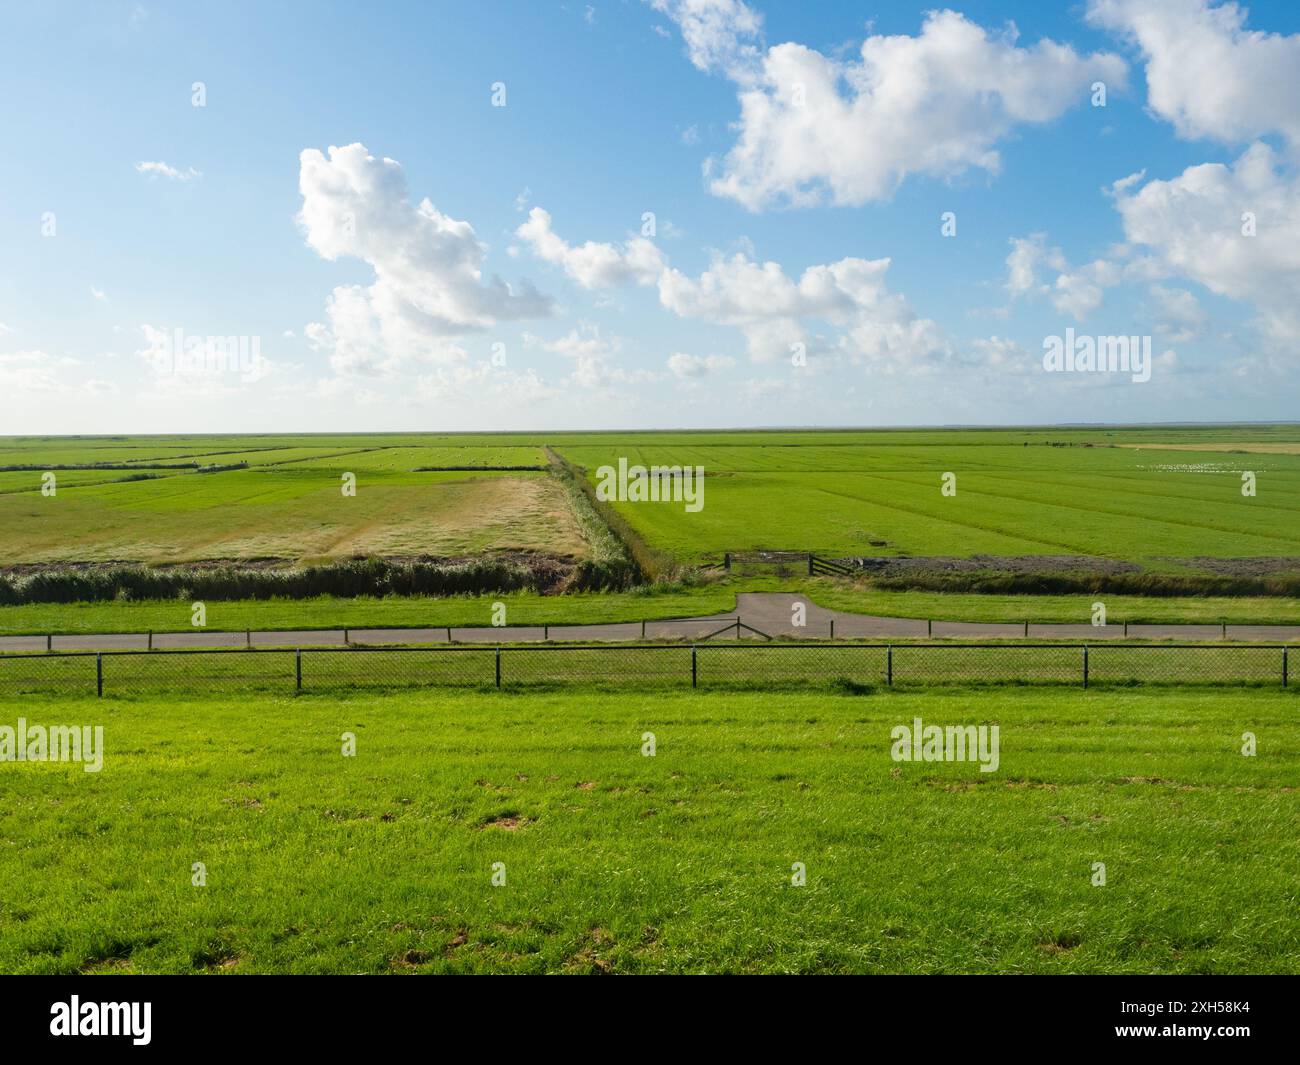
[[429, 283], [1206, 72], [770, 308], [593, 264], [719, 34], [1233, 228], [1193, 227], [1076, 291], [815, 127]]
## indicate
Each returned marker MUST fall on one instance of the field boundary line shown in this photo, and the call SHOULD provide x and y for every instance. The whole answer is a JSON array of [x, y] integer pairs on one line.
[[643, 665]]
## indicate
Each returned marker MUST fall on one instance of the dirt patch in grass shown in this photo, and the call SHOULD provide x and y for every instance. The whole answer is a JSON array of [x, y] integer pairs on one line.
[[1060, 944], [591, 956], [508, 822], [215, 956], [347, 815], [106, 965], [411, 959]]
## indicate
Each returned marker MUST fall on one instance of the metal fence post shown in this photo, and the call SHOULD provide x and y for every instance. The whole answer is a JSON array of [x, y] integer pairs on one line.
[[832, 628], [993, 671], [929, 629], [546, 631], [449, 634], [643, 628], [150, 640], [347, 638], [49, 642], [248, 638]]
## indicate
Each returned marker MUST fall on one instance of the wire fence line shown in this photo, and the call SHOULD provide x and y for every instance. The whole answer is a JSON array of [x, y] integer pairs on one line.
[[697, 630], [638, 666]]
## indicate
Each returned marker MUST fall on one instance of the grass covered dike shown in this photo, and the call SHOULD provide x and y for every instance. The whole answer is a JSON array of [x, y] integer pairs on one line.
[[620, 862]]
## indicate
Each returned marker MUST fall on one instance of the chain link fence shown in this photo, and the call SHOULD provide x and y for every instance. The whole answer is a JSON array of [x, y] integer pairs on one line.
[[638, 666]]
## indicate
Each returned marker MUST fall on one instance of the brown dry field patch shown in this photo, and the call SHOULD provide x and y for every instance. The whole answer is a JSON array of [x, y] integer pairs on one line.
[[442, 518]]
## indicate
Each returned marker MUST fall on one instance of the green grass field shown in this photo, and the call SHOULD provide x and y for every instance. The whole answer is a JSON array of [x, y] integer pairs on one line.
[[1028, 492], [289, 513], [1139, 494], [436, 496], [680, 862], [1166, 499]]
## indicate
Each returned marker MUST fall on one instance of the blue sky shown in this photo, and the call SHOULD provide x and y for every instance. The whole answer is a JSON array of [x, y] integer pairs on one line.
[[797, 160]]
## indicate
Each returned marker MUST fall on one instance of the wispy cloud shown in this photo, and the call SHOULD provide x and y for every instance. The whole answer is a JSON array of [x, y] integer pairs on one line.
[[160, 169]]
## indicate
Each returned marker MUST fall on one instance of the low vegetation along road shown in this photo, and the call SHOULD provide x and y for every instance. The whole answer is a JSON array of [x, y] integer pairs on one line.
[[759, 614]]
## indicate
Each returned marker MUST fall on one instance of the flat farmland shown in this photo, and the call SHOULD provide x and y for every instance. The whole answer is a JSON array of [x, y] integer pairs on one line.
[[16, 482], [1017, 494], [409, 459], [288, 503], [1165, 497], [428, 458]]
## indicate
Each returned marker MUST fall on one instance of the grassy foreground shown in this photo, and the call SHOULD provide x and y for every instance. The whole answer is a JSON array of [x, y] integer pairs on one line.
[[649, 603], [618, 862]]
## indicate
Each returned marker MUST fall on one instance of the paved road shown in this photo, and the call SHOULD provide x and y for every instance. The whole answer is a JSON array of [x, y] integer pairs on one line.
[[771, 613]]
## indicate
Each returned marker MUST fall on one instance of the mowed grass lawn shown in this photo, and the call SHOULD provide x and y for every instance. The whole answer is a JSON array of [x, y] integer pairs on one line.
[[680, 862], [1016, 494]]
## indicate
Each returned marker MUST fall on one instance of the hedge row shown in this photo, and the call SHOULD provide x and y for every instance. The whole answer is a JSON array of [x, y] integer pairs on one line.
[[651, 564], [346, 580], [1147, 584]]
